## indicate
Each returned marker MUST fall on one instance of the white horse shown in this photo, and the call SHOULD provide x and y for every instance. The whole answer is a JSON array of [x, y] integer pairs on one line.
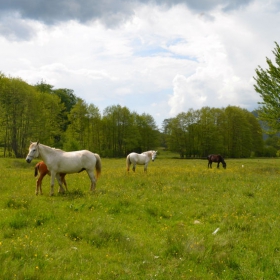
[[142, 159], [59, 161]]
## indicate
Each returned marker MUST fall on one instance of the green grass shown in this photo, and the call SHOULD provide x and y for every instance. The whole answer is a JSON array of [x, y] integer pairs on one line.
[[157, 225]]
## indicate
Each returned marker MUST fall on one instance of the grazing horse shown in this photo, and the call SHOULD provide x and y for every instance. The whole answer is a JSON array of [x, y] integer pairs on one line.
[[41, 168], [59, 161], [142, 159], [216, 158]]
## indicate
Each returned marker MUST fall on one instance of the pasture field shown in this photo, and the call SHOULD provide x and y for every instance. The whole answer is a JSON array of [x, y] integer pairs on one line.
[[181, 220]]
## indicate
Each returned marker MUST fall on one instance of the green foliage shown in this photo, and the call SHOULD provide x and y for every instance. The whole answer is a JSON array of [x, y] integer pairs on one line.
[[58, 118], [125, 132], [26, 114], [15, 114], [230, 131], [270, 151], [157, 225], [274, 141], [272, 146], [72, 145], [267, 85]]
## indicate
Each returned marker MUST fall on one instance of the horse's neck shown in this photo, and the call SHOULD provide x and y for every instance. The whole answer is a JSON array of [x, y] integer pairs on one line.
[[46, 152], [149, 154]]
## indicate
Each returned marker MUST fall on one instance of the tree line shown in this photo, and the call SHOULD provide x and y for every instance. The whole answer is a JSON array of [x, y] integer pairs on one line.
[[231, 131], [58, 118]]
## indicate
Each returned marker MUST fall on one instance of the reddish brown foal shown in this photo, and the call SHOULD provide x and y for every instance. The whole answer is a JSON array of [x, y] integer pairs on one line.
[[43, 170]]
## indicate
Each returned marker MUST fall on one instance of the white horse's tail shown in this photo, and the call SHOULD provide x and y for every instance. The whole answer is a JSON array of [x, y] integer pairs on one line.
[[98, 165], [128, 162]]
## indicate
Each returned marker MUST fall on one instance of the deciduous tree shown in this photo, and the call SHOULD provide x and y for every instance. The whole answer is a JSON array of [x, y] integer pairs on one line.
[[268, 86]]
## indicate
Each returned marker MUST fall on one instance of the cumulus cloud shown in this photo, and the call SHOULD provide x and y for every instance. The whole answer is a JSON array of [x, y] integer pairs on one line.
[[14, 28], [158, 57], [211, 84], [53, 11], [110, 12], [224, 51]]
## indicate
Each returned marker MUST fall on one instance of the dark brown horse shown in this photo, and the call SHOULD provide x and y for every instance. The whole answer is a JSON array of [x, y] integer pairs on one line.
[[43, 170], [216, 158]]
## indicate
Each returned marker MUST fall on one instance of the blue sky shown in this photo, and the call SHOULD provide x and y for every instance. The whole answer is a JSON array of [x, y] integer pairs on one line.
[[156, 57]]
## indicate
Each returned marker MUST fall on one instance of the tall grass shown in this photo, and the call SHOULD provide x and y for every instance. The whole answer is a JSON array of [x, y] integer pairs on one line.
[[181, 220]]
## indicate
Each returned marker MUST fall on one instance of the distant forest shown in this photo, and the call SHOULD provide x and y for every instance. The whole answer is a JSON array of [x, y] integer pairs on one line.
[[58, 118]]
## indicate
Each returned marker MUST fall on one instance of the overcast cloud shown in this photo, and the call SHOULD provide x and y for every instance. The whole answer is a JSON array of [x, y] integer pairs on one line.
[[155, 57]]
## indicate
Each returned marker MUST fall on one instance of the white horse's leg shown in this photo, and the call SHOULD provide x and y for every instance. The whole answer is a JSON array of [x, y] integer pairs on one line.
[[92, 179], [128, 163], [134, 166], [145, 167], [58, 178], [52, 183], [62, 177]]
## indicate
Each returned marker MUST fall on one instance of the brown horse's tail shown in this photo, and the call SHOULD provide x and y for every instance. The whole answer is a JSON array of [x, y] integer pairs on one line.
[[36, 169], [98, 165]]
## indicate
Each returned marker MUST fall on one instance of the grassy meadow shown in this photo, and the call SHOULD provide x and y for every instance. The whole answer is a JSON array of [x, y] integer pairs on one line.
[[181, 220]]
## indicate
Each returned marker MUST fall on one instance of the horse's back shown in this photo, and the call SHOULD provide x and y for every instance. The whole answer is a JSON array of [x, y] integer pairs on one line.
[[209, 157], [89, 157], [75, 154], [215, 158], [220, 158], [137, 158], [73, 162], [80, 155], [132, 155]]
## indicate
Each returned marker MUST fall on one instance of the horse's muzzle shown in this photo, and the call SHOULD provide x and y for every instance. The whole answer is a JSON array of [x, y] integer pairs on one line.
[[28, 160]]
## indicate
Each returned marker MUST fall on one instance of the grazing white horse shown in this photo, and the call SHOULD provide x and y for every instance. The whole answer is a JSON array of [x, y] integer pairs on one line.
[[59, 161], [142, 159]]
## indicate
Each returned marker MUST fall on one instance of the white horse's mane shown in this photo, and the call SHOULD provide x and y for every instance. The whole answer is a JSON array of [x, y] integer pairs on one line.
[[53, 148], [58, 149], [149, 153]]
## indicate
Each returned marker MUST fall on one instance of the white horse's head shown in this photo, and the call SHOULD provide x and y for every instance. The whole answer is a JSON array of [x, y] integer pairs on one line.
[[154, 154], [33, 151]]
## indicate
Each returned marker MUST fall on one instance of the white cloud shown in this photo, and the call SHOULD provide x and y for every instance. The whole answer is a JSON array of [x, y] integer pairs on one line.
[[214, 83], [162, 61], [228, 49]]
